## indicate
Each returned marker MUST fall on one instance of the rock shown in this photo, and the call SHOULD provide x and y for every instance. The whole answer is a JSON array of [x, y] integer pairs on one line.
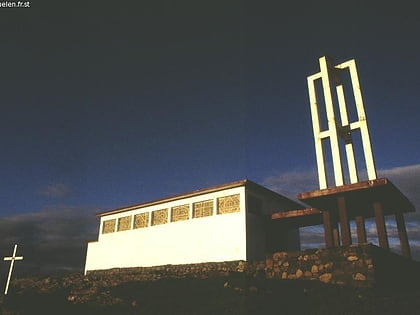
[[269, 263], [291, 277], [279, 255], [359, 277], [328, 265], [284, 275], [71, 298], [326, 277], [241, 266], [314, 257], [314, 269], [307, 274], [352, 258], [299, 273]]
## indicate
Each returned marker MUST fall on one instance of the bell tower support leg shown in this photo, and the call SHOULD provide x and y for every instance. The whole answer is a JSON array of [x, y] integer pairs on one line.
[[402, 233], [344, 221], [328, 234], [380, 225], [361, 230]]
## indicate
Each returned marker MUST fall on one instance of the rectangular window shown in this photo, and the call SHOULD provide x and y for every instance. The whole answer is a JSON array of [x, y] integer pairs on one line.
[[108, 226], [203, 209], [141, 220], [228, 204], [180, 213], [160, 217], [124, 223]]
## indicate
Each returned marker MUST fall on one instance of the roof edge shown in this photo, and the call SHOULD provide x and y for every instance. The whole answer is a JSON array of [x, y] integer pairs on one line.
[[193, 193]]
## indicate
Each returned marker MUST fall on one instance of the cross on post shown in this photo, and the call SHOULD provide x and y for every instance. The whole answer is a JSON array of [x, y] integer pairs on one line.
[[12, 261]]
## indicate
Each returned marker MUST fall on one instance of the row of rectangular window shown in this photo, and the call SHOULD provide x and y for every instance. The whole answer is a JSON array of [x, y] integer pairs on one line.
[[228, 204]]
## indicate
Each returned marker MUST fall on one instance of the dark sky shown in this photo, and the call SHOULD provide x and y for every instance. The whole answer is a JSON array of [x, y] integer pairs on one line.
[[106, 104]]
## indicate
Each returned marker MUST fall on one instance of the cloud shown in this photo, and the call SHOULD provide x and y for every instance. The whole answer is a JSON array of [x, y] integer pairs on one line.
[[405, 178], [51, 240], [56, 191], [55, 239], [291, 183]]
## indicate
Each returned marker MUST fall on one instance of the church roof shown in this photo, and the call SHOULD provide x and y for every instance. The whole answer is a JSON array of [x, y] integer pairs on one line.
[[244, 182]]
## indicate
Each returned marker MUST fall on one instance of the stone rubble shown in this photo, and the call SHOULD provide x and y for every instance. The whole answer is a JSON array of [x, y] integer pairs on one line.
[[345, 266]]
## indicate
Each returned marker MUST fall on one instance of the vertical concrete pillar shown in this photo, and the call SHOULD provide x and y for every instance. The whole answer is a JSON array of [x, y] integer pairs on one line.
[[328, 234], [361, 230], [380, 225], [402, 233], [335, 231], [344, 221]]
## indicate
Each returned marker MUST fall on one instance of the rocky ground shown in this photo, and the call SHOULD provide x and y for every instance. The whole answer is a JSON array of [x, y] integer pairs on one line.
[[230, 294]]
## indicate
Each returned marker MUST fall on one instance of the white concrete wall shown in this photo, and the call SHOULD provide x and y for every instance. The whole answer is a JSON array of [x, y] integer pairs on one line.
[[220, 237], [259, 237]]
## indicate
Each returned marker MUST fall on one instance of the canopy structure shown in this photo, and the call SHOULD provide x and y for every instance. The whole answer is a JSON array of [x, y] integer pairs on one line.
[[358, 201]]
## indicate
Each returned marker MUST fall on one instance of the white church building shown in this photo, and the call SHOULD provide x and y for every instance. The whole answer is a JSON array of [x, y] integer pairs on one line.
[[228, 222]]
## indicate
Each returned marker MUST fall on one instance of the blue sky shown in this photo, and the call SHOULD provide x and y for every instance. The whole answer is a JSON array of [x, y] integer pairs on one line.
[[106, 105]]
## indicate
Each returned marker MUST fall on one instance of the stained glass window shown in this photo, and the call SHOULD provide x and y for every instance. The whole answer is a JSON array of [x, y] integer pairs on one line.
[[160, 217], [203, 209], [108, 226], [141, 220], [124, 223], [228, 204], [180, 213]]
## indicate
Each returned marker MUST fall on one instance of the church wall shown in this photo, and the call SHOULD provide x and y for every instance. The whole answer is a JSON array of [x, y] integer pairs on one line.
[[218, 237], [260, 239]]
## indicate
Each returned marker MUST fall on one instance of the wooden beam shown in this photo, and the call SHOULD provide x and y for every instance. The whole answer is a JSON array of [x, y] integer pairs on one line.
[[380, 225], [344, 221], [402, 233]]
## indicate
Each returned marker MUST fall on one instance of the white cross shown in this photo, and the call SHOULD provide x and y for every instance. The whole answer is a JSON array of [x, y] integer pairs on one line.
[[12, 261]]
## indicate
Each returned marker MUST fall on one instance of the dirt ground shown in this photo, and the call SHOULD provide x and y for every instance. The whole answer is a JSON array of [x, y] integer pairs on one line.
[[75, 294]]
